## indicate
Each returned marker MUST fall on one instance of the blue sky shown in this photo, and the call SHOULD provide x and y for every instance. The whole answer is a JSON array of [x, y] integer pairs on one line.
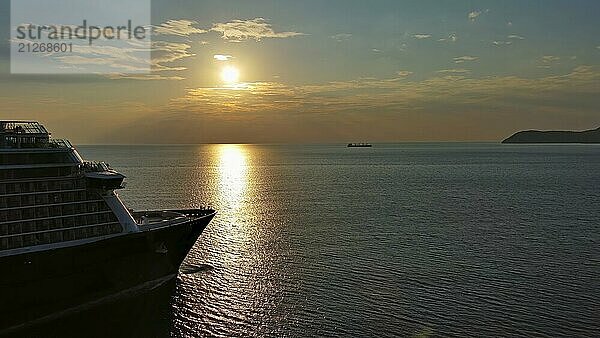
[[333, 71]]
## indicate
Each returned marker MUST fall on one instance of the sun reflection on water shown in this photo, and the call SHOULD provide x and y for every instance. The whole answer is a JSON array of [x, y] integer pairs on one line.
[[233, 178], [236, 234]]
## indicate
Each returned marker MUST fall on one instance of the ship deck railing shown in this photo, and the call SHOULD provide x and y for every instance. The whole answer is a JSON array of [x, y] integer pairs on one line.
[[22, 127], [10, 142], [164, 217], [94, 167]]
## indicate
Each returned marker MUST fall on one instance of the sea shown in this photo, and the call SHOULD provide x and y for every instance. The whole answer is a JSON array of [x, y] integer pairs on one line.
[[398, 240]]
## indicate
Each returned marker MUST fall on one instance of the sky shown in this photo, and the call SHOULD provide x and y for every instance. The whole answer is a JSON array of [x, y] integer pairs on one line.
[[330, 71]]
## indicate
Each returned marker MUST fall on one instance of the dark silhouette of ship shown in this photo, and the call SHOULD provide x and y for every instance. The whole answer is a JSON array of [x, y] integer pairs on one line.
[[359, 145], [67, 242]]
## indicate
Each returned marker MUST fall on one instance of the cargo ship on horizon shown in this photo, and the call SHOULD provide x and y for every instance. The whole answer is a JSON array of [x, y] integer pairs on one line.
[[360, 145]]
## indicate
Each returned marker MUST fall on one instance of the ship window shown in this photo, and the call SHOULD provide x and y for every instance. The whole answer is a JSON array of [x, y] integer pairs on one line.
[[71, 197], [41, 199], [43, 225], [4, 175], [83, 233], [53, 186], [29, 240], [28, 213], [103, 230], [55, 211], [27, 200], [94, 219], [43, 212], [66, 185], [56, 223], [56, 236], [15, 242], [14, 228], [2, 188], [89, 219], [68, 235], [3, 202], [11, 188], [24, 187], [13, 215], [3, 243], [68, 222], [43, 238], [27, 227], [14, 201], [68, 209]]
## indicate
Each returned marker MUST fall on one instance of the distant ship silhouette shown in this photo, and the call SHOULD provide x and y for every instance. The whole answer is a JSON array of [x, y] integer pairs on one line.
[[359, 145]]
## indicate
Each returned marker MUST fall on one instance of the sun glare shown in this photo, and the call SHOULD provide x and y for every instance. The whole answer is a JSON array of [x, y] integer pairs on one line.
[[230, 75]]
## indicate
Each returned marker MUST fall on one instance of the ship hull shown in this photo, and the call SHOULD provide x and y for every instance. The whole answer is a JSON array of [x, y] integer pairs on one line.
[[40, 286]]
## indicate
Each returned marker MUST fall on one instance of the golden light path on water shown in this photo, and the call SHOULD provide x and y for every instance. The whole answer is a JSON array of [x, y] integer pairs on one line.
[[239, 292], [233, 178], [232, 189]]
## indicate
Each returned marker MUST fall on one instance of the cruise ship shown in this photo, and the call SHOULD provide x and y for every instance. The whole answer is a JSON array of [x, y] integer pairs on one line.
[[67, 241]]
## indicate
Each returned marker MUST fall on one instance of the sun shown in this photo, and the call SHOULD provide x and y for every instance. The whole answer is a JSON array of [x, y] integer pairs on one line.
[[230, 75]]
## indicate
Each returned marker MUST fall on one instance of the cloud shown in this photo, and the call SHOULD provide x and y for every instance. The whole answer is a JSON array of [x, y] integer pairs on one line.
[[255, 29], [110, 59], [430, 101], [342, 37], [465, 58], [453, 71], [123, 60], [181, 27], [445, 107], [516, 37], [421, 36], [547, 61], [451, 38], [474, 15], [550, 58], [404, 73], [164, 53], [144, 77], [220, 57]]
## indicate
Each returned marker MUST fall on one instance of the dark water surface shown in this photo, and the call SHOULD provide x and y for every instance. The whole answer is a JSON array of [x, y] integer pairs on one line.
[[396, 240]]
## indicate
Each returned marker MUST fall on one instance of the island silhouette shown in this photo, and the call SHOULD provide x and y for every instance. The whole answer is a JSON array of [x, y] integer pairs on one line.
[[536, 136]]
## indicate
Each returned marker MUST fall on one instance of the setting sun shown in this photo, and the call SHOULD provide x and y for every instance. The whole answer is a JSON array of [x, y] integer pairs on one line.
[[230, 75]]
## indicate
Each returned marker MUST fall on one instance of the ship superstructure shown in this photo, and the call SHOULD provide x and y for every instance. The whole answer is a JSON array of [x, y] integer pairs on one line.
[[65, 236]]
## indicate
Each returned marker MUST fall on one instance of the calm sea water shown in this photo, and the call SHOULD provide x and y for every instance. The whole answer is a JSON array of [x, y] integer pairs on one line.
[[396, 240]]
